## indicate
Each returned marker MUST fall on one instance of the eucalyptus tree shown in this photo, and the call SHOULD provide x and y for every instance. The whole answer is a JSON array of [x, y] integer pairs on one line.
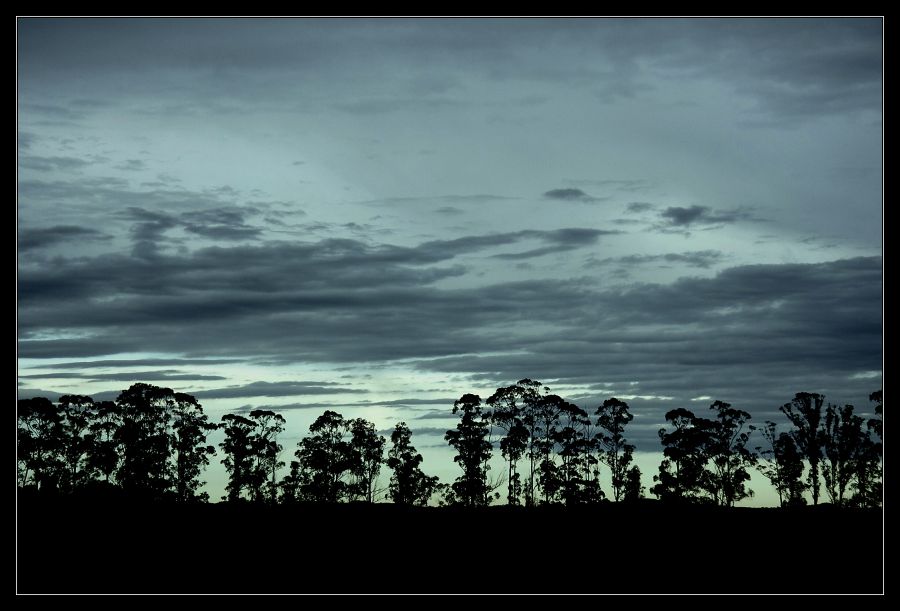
[[868, 482], [508, 408], [473, 451], [409, 485], [729, 455], [782, 464], [267, 425], [615, 451], [682, 474], [39, 440], [805, 413], [238, 454], [366, 458], [75, 440], [146, 443], [323, 459], [104, 450], [190, 428], [844, 445], [531, 394], [547, 415], [577, 484]]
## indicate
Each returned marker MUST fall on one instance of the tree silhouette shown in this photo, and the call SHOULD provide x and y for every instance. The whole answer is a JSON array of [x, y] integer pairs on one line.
[[239, 454], [843, 442], [251, 455], [146, 412], [547, 413], [869, 466], [75, 440], [289, 487], [876, 424], [634, 489], [366, 458], [867, 462], [263, 483], [615, 451], [782, 465], [190, 428], [578, 482], [682, 473], [507, 409], [805, 413], [104, 448], [473, 451], [153, 442], [727, 449], [409, 485], [38, 444], [519, 414], [323, 458]]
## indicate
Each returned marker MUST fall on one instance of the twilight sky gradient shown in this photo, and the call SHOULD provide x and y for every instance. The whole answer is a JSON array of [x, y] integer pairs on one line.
[[378, 216]]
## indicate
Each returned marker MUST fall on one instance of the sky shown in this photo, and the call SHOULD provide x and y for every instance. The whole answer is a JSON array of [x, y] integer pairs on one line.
[[377, 216]]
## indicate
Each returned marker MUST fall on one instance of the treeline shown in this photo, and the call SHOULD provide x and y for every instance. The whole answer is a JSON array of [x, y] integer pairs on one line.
[[153, 442], [705, 460]]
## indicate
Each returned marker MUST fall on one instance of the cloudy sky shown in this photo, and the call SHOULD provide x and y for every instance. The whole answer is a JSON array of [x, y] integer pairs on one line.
[[378, 216]]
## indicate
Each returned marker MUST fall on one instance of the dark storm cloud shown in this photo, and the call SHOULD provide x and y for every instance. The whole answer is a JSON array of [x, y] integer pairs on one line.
[[115, 363], [753, 335], [33, 239], [50, 164], [104, 195], [701, 215], [148, 232], [349, 301], [72, 348], [684, 216], [558, 240], [638, 207], [700, 258], [570, 195], [65, 375], [321, 274], [561, 240], [223, 283], [478, 198], [278, 389], [789, 69], [221, 223], [224, 232], [149, 225], [135, 376]]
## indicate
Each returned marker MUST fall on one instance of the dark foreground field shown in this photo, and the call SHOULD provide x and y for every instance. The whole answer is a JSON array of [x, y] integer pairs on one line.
[[118, 546]]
